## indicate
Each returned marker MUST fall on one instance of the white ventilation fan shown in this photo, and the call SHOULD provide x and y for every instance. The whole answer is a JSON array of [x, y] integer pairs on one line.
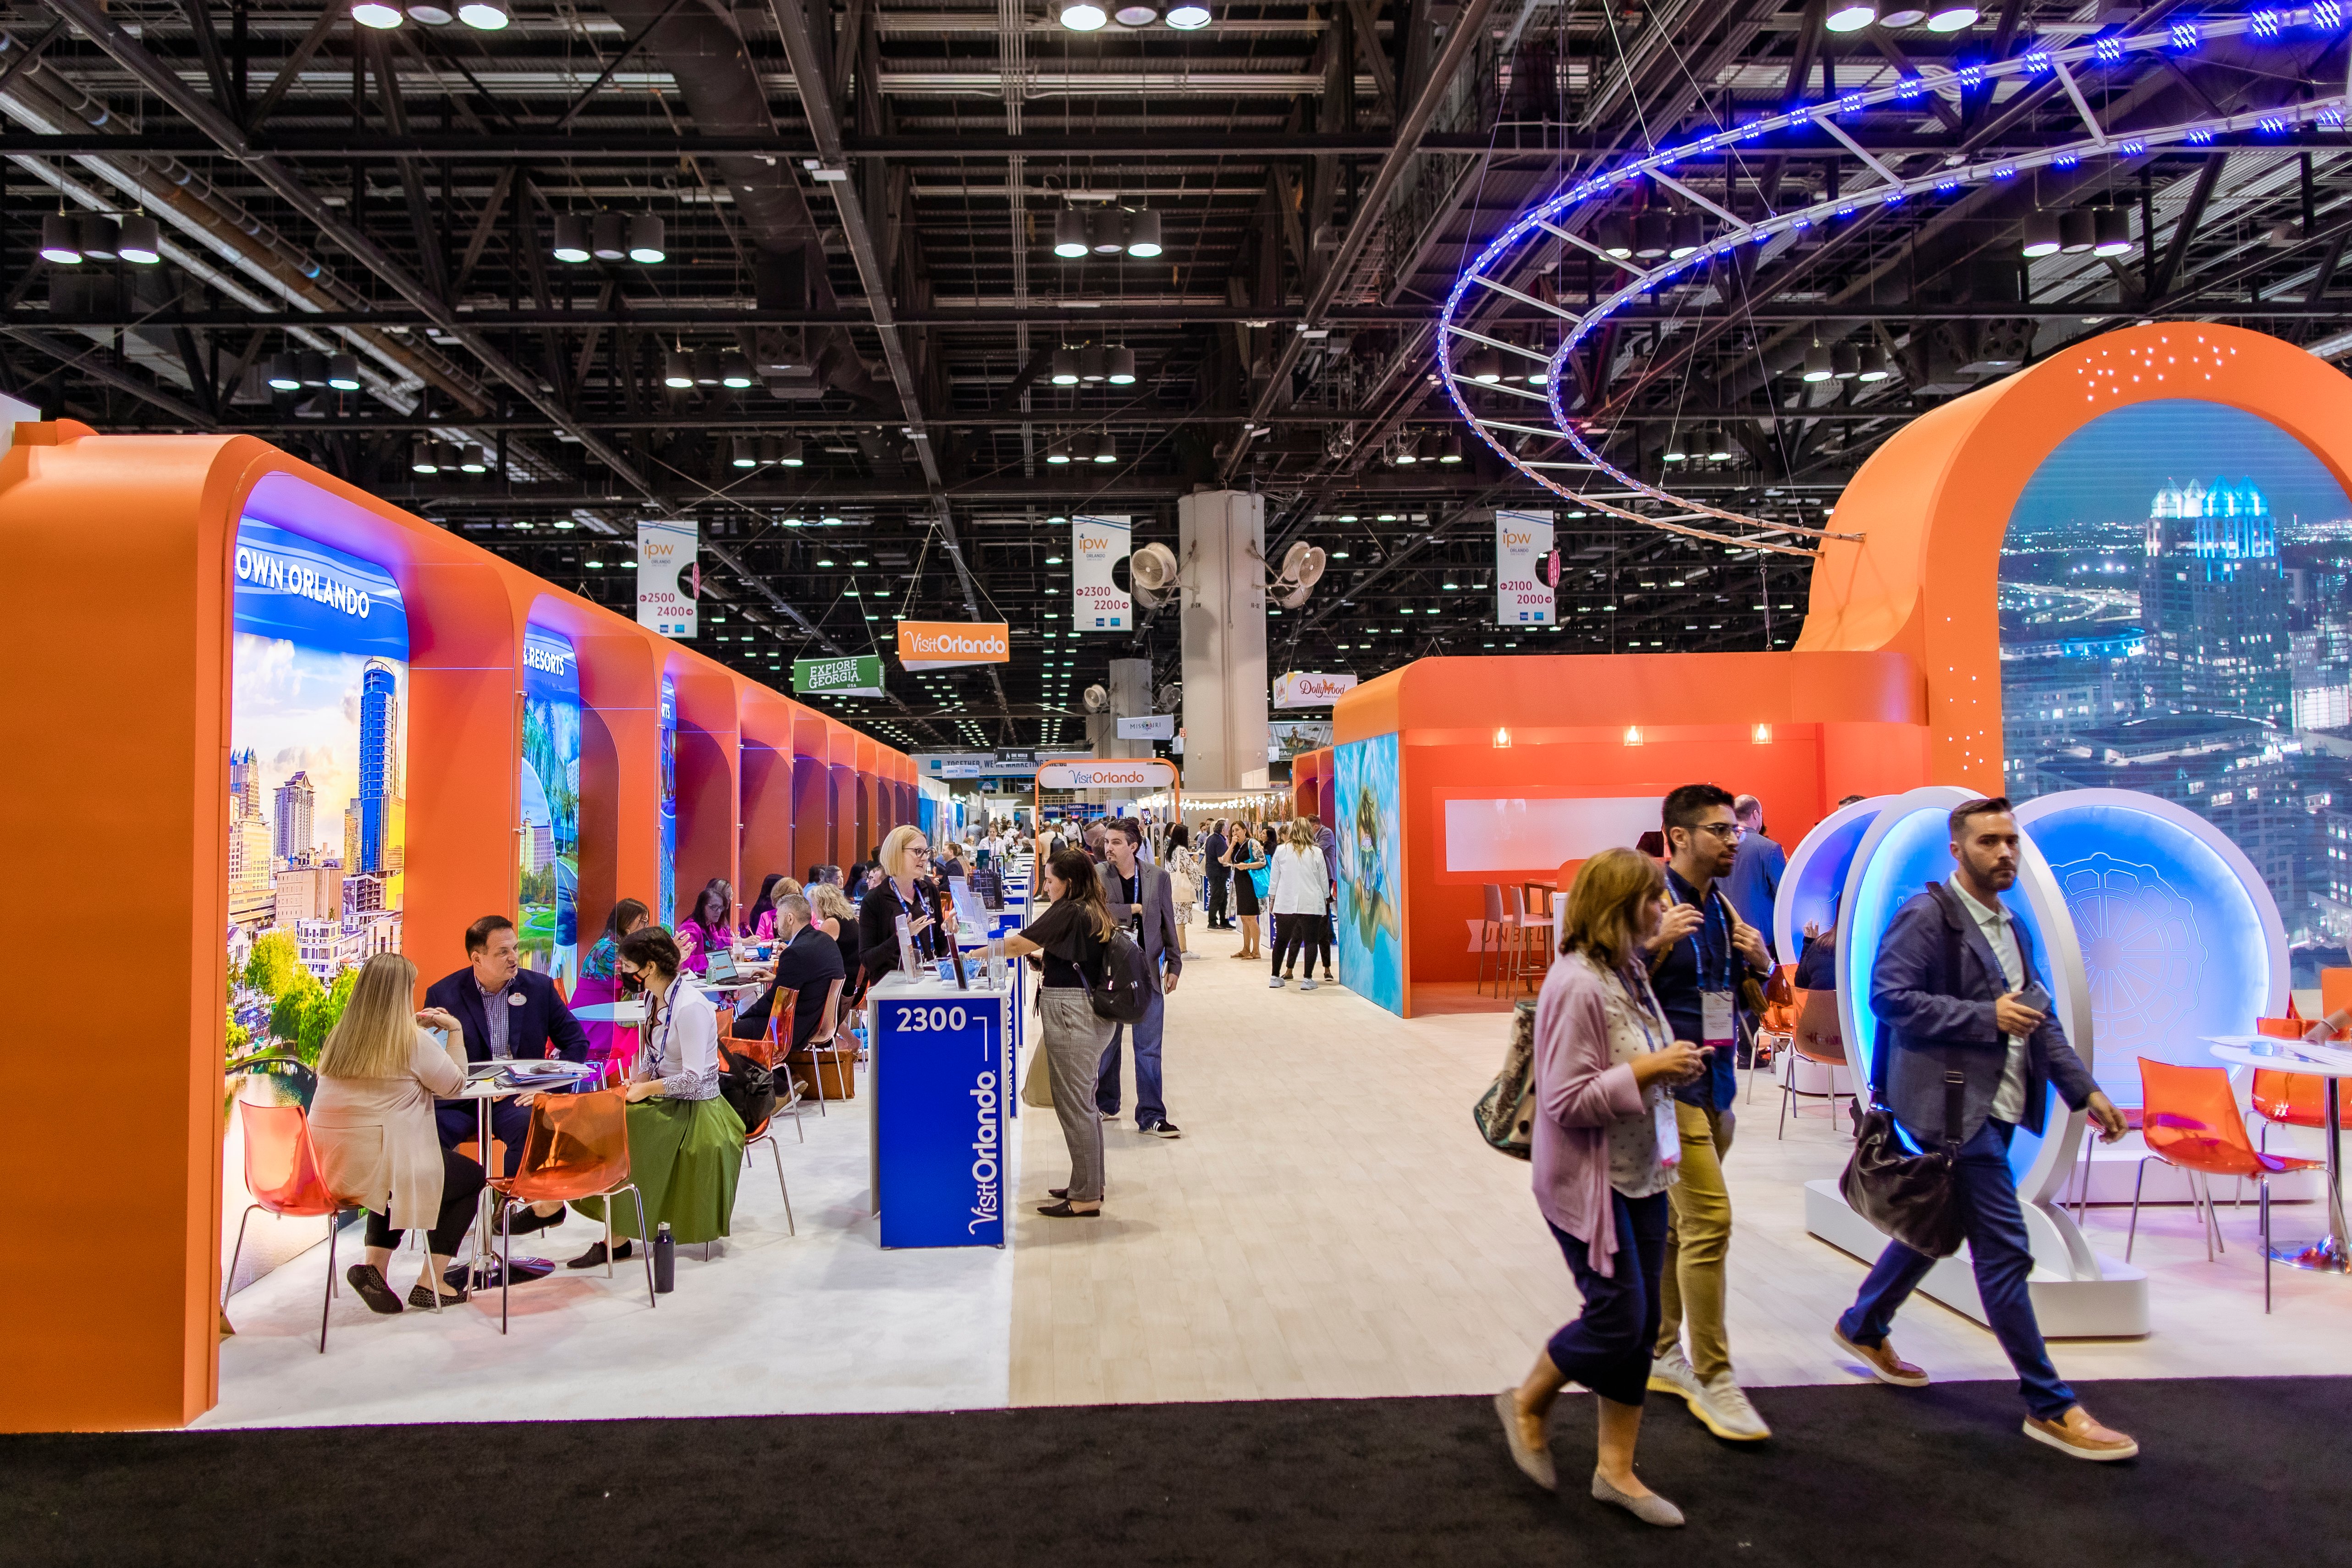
[[1302, 569], [1097, 699], [1151, 570]]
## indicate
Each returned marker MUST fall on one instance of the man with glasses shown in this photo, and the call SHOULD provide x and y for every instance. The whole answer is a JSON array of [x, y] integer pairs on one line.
[[1701, 954]]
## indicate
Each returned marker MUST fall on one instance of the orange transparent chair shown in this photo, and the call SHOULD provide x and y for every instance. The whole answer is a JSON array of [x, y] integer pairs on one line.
[[577, 1147], [1814, 1036], [281, 1171], [2189, 1119], [1776, 1030]]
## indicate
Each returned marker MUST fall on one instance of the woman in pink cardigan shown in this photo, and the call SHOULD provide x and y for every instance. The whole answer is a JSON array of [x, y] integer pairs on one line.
[[1604, 1152]]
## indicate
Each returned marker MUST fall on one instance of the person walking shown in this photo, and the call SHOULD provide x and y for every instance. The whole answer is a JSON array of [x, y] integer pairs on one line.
[[1183, 883], [1753, 884], [1246, 856], [1140, 898], [1958, 998], [1603, 1156], [1701, 953], [1298, 885], [1214, 847], [1069, 938]]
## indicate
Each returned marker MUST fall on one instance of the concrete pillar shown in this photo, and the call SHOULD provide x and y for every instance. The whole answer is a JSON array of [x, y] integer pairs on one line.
[[1220, 541]]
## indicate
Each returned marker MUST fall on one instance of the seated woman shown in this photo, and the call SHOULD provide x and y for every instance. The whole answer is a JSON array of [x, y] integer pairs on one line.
[[837, 918], [685, 1143], [706, 924], [759, 923], [372, 1121], [599, 988]]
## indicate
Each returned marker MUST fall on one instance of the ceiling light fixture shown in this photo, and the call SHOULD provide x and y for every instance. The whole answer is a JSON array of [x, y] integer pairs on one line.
[[343, 372], [142, 244], [1851, 16], [375, 13], [1819, 366], [2042, 236], [678, 371], [1953, 19], [1081, 16], [2112, 227], [485, 15], [430, 13], [1070, 234], [571, 244], [646, 239], [2077, 232], [1065, 368], [61, 240], [1143, 233], [1120, 366], [1187, 16], [788, 453], [608, 236]]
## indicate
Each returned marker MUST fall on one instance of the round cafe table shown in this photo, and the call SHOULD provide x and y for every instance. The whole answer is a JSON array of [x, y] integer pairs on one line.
[[547, 1076], [2331, 1253]]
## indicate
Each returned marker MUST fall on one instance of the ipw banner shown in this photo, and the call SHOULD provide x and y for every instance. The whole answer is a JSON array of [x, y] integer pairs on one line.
[[670, 579], [1098, 603], [1522, 597]]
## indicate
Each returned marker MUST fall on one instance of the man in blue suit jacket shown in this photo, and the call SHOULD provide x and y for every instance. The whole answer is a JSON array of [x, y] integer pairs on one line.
[[507, 1011], [1955, 1030]]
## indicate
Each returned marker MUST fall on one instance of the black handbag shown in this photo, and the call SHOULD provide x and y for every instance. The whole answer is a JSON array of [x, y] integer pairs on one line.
[[1915, 1198], [748, 1086]]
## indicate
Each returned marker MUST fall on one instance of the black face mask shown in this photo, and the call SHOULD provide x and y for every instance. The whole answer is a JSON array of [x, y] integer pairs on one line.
[[633, 983]]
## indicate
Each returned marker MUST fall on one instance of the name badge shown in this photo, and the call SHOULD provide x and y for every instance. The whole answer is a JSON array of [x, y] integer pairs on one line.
[[1715, 1020], [515, 999], [1669, 1131]]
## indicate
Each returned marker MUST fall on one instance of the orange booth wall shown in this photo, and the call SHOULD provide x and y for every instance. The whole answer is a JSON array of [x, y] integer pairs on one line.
[[120, 675]]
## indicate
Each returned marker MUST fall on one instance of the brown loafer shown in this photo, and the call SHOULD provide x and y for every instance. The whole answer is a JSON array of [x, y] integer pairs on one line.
[[1883, 1364], [2076, 1434]]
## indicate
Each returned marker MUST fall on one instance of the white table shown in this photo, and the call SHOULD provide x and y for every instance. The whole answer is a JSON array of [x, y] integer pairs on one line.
[[2332, 1254]]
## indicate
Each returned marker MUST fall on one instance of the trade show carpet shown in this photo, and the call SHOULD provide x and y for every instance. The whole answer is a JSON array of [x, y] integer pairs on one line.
[[2236, 1470]]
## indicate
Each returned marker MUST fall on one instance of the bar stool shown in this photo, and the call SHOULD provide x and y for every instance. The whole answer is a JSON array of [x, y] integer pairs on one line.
[[1525, 929], [1490, 938]]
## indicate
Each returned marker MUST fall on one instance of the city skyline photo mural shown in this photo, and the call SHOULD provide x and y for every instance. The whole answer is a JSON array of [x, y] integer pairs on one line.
[[2174, 619]]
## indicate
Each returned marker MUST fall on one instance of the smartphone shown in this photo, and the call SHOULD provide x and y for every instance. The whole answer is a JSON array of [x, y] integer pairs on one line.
[[2035, 996]]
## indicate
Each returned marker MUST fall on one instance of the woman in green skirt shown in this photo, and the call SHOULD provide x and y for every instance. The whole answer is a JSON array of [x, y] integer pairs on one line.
[[685, 1143]]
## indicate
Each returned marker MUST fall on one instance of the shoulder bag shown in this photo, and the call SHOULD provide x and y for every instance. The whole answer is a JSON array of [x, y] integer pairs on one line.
[[1915, 1198], [1506, 1114]]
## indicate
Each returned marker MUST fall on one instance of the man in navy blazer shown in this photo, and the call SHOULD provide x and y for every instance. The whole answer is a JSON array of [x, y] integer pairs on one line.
[[1957, 1029], [507, 1011]]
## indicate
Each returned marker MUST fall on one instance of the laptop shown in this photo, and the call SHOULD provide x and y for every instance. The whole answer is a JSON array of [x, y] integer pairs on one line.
[[722, 965]]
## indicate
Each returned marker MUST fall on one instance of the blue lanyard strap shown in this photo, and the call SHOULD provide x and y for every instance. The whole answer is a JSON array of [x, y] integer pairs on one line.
[[1709, 955]]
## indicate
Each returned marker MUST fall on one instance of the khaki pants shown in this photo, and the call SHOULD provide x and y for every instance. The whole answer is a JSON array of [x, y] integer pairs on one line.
[[1697, 1242]]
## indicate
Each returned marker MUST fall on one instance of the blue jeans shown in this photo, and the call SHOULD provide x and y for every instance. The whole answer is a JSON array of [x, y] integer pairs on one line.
[[1607, 1346], [1149, 1106], [2003, 1261]]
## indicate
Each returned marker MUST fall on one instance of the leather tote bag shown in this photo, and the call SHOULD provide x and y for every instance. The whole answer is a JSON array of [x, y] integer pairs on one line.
[[1505, 1112], [1915, 1198]]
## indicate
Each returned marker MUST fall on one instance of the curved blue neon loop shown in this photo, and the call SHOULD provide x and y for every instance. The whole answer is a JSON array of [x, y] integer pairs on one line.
[[2327, 113]]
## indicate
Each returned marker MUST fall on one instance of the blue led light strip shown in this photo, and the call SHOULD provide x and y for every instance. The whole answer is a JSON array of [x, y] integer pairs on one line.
[[2328, 113]]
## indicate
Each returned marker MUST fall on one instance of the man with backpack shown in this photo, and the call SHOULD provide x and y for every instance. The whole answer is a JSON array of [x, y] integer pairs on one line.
[[1142, 899]]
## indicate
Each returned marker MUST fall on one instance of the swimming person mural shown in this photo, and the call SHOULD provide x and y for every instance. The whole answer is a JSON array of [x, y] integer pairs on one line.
[[1366, 903], [1371, 902]]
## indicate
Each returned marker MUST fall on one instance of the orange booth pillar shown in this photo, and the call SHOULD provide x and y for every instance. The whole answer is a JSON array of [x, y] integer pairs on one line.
[[710, 785]]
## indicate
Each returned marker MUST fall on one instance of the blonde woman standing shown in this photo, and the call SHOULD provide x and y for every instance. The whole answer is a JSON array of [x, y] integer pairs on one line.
[[1605, 1149], [372, 1121]]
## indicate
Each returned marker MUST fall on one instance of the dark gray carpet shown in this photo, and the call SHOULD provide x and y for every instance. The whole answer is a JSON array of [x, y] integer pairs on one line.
[[2235, 1471]]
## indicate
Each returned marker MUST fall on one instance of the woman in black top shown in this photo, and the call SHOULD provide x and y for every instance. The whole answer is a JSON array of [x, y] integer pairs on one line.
[[1069, 936], [904, 890]]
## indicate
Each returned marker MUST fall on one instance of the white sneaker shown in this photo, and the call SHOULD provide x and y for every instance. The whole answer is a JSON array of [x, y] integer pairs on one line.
[[1275, 982], [1722, 1408], [1672, 1374], [1307, 984]]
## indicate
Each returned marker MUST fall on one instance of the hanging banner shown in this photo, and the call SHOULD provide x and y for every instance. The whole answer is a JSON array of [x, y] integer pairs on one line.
[[669, 579], [1522, 598], [1098, 603], [856, 676], [1297, 688], [1107, 773], [1148, 727], [930, 644]]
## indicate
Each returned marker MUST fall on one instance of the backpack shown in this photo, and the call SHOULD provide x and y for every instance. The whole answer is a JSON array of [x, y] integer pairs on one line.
[[1127, 980]]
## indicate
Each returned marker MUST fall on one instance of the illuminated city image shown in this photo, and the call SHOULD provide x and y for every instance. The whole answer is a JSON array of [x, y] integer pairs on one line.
[[2174, 619]]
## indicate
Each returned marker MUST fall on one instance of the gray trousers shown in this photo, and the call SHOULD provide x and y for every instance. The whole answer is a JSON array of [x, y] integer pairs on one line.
[[1073, 1040]]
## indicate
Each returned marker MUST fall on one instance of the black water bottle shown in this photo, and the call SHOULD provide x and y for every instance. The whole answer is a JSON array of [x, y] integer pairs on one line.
[[664, 1262]]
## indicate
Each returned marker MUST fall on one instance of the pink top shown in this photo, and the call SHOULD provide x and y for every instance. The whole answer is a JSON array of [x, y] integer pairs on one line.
[[1579, 1094]]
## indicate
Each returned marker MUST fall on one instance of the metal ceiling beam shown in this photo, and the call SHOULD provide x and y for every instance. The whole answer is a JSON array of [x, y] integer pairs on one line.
[[227, 137], [96, 363]]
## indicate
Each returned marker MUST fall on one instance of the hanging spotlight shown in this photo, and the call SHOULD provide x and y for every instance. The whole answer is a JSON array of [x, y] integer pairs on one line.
[[1143, 233], [1081, 16], [645, 232], [1846, 362], [310, 367], [431, 13], [376, 14], [1875, 367], [1902, 17], [735, 371], [61, 240], [485, 15], [742, 455], [1135, 15], [1685, 235], [1615, 238], [788, 453], [1058, 452], [1819, 366], [1187, 14], [608, 236], [1484, 366], [1952, 18], [1105, 450], [1652, 235], [1070, 233], [473, 460], [2041, 236], [1120, 366], [142, 244], [100, 237], [284, 374], [423, 457], [2077, 232], [1716, 445], [571, 240], [449, 455], [678, 371], [1450, 449], [343, 372], [1065, 373], [1106, 231], [1093, 366], [2112, 229], [705, 367], [1677, 450], [1851, 15]]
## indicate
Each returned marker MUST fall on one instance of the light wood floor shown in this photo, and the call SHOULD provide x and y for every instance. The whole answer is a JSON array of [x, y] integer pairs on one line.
[[1331, 1225]]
